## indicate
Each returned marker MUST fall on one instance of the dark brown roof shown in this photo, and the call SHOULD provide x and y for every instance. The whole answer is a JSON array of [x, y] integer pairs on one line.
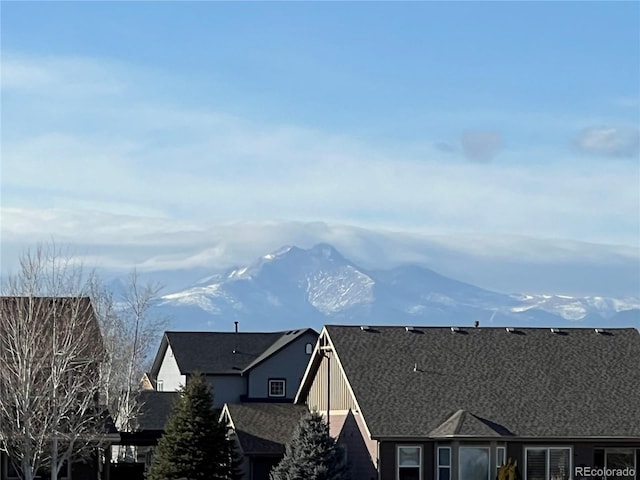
[[213, 352], [486, 381], [58, 312], [264, 428]]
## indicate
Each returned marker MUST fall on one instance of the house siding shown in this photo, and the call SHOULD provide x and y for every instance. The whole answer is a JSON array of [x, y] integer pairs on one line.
[[227, 388], [583, 454], [169, 373], [341, 398], [288, 364], [361, 451]]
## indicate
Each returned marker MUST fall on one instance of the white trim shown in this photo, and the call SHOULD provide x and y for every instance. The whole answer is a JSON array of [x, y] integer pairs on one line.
[[547, 448], [273, 381], [504, 455], [398, 466]]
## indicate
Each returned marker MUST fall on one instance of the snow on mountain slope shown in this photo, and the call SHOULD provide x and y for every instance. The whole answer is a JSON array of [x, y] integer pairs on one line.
[[294, 286]]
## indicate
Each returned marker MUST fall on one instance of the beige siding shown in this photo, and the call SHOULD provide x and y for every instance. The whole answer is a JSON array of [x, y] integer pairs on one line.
[[341, 398]]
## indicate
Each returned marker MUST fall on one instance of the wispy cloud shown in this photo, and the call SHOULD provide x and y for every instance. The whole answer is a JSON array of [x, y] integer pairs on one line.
[[481, 146], [609, 141], [116, 152]]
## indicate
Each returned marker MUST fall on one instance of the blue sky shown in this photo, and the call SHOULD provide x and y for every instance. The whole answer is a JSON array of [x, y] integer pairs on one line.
[[164, 119]]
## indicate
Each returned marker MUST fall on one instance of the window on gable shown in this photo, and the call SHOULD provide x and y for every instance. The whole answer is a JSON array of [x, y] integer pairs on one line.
[[473, 463], [409, 462], [160, 386], [444, 463], [277, 388], [308, 349], [548, 463]]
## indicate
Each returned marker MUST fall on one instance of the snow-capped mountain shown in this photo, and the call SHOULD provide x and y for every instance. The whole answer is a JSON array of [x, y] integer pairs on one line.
[[292, 287]]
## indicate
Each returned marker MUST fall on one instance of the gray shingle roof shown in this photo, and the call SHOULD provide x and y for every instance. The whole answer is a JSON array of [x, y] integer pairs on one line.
[[531, 384], [212, 352], [264, 428], [155, 408]]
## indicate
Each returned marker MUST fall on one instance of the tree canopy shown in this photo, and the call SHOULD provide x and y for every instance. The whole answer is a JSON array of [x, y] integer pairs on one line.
[[194, 445], [312, 454]]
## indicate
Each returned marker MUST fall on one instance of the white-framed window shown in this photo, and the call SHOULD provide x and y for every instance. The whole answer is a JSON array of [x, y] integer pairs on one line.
[[277, 387], [547, 463], [308, 349], [443, 463], [160, 387], [501, 457], [473, 463], [409, 462], [620, 459]]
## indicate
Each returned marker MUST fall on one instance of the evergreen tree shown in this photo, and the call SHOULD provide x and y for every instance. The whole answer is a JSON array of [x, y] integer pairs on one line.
[[312, 454], [194, 445]]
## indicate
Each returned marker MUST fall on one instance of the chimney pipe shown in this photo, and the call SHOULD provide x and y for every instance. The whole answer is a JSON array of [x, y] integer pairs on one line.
[[235, 348]]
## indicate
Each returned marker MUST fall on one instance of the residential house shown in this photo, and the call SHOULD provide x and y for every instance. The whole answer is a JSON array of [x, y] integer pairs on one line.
[[260, 431], [240, 366], [52, 328], [254, 376], [417, 403]]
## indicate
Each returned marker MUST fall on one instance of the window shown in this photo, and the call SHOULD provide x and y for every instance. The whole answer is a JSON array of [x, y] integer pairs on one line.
[[409, 462], [501, 456], [276, 388], [308, 349], [619, 459], [444, 463], [548, 463], [160, 386], [473, 463]]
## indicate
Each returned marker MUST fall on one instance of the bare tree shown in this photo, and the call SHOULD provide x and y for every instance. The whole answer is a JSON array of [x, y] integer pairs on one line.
[[129, 328], [50, 349]]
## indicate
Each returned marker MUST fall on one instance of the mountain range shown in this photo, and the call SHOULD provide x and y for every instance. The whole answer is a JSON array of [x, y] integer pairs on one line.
[[293, 287]]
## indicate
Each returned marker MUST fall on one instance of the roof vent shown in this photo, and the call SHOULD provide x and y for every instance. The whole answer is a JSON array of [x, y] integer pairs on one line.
[[365, 328], [410, 329], [456, 329], [601, 331], [510, 330], [556, 330]]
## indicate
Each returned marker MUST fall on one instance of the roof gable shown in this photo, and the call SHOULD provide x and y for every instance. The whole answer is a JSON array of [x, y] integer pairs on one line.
[[222, 353], [264, 428], [532, 384]]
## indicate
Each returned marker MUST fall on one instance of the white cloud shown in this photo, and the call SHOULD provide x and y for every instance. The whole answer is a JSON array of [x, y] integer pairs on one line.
[[610, 141], [114, 153], [481, 146]]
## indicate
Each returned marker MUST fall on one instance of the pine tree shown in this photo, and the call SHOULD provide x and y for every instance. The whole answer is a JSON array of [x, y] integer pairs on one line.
[[194, 445], [312, 454]]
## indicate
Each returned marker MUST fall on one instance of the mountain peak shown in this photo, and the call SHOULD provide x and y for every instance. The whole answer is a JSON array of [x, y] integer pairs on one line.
[[326, 251]]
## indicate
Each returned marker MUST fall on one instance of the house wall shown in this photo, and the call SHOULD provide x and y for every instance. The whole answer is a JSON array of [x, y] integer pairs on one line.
[[227, 388], [361, 451], [341, 398], [289, 363], [169, 373], [583, 454]]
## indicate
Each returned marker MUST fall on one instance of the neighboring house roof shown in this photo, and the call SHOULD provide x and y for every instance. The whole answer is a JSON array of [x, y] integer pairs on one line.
[[213, 352], [264, 428], [485, 382], [155, 408], [74, 312]]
